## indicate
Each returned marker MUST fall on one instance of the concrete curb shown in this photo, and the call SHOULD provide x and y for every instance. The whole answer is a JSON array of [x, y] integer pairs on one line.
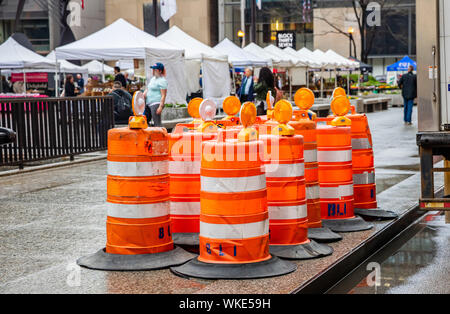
[[51, 166]]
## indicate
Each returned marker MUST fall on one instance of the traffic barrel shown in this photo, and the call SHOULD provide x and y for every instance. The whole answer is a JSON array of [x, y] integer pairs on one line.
[[231, 106], [302, 124], [286, 191], [334, 154], [234, 219], [138, 225], [184, 177]]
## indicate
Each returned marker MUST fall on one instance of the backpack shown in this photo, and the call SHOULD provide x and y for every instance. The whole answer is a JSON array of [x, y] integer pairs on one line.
[[122, 108]]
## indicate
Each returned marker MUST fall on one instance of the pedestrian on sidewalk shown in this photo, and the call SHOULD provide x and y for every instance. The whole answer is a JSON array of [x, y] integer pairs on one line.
[[155, 94], [246, 91], [122, 104], [408, 84]]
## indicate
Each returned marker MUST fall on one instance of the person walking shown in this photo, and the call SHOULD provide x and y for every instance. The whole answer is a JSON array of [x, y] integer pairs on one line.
[[408, 84], [155, 94], [119, 77], [69, 87], [122, 103], [246, 90], [266, 83], [80, 83]]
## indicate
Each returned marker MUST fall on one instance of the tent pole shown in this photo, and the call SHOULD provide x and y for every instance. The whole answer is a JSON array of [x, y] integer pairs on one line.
[[290, 84], [307, 77], [1, 82], [348, 82], [103, 71], [24, 82], [56, 79], [321, 83], [234, 80], [335, 78]]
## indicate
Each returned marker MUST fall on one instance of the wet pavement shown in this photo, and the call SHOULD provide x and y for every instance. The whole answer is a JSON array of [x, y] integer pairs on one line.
[[415, 263], [50, 218]]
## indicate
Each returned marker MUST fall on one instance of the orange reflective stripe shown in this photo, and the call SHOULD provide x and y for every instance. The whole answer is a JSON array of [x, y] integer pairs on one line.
[[363, 159], [230, 173], [286, 190], [234, 220], [245, 203], [139, 189], [336, 173], [223, 251], [314, 214], [365, 196], [126, 158], [288, 232], [184, 185], [138, 236], [185, 223]]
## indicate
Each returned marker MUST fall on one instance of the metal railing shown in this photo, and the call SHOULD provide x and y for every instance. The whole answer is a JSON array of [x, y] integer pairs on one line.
[[49, 128]]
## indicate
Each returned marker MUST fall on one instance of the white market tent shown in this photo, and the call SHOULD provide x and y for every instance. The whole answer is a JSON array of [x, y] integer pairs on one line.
[[306, 53], [121, 40], [15, 56], [343, 62], [310, 62], [97, 67], [214, 65], [297, 68], [239, 57], [257, 50], [286, 60], [65, 66]]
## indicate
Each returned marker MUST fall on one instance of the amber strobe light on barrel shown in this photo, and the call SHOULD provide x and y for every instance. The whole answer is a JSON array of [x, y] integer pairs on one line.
[[335, 172], [138, 225], [234, 220], [302, 124]]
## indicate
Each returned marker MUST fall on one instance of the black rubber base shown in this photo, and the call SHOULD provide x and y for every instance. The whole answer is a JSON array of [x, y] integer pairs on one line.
[[376, 213], [323, 235], [105, 261], [186, 238], [347, 225], [270, 268], [302, 251]]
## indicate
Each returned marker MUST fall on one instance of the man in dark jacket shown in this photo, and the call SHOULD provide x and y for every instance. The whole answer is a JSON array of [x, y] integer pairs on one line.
[[246, 90], [122, 104], [408, 84], [120, 77]]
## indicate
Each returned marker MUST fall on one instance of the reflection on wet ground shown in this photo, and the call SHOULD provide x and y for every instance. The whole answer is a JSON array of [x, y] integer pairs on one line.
[[416, 262]]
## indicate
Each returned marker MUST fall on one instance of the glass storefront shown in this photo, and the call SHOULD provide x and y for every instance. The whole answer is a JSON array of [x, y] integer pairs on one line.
[[275, 15]]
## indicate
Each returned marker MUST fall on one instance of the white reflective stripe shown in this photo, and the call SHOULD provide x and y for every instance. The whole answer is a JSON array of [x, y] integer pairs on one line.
[[336, 192], [334, 155], [310, 155], [361, 143], [138, 169], [185, 208], [234, 184], [184, 167], [288, 212], [237, 231], [364, 178], [313, 192], [138, 210], [285, 170]]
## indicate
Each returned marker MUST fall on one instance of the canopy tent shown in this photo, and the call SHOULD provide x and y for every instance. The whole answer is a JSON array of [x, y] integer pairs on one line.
[[402, 65], [363, 67], [310, 62], [306, 53], [214, 65], [257, 50], [15, 56], [286, 60], [340, 60], [121, 40], [97, 67], [66, 66], [239, 57]]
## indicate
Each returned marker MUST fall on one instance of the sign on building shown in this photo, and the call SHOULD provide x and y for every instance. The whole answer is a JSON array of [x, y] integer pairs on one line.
[[286, 39]]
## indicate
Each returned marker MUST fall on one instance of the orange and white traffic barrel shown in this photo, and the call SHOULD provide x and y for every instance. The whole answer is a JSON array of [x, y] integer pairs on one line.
[[364, 169], [184, 176], [336, 175], [286, 199], [302, 124], [234, 219], [138, 225]]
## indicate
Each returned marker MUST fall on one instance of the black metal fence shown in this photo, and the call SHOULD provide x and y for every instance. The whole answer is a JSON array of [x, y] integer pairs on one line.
[[54, 127]]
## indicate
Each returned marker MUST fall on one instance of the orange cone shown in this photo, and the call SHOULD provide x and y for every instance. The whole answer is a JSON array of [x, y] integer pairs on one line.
[[138, 225]]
